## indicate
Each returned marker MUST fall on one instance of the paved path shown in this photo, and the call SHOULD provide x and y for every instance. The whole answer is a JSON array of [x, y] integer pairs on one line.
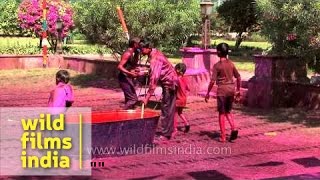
[[282, 143], [263, 150]]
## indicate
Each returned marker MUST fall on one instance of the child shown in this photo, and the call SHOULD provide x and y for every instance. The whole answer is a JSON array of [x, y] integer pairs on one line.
[[60, 99], [181, 101], [223, 73], [62, 95]]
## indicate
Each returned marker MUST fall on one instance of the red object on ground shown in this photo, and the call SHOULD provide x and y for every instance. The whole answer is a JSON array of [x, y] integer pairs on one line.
[[113, 116]]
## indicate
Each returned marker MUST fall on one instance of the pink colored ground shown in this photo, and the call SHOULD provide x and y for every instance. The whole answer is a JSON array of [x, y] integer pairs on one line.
[[271, 144]]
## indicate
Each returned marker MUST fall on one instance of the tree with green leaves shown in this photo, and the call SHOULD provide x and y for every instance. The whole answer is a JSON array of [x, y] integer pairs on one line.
[[9, 17], [240, 15], [165, 22], [293, 28]]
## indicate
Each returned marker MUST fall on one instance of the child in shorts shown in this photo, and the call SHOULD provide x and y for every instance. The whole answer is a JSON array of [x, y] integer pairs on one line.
[[181, 101], [223, 75]]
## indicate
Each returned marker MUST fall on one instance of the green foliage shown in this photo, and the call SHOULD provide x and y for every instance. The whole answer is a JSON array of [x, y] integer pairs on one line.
[[76, 35], [243, 56], [218, 24], [240, 15], [30, 46], [9, 17], [98, 21], [256, 45], [85, 49], [256, 37], [292, 27], [19, 46], [30, 49], [18, 49], [166, 23]]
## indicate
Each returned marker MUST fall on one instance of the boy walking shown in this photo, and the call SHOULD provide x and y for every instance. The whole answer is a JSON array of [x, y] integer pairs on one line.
[[223, 73]]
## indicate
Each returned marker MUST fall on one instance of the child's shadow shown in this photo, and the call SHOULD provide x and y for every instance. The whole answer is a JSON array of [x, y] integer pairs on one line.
[[211, 134]]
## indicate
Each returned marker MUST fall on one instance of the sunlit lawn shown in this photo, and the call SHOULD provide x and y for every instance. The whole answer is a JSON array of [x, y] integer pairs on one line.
[[21, 41], [243, 57], [261, 45], [28, 78], [241, 64], [243, 61], [245, 66], [13, 41], [18, 44]]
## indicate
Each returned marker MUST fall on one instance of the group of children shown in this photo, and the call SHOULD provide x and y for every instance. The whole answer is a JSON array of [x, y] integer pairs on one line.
[[174, 86]]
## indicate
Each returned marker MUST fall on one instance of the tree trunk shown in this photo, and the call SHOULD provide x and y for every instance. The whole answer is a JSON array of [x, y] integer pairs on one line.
[[55, 45], [239, 40], [40, 43]]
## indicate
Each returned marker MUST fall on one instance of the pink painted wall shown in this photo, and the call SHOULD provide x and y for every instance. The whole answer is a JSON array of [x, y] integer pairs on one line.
[[199, 64], [196, 58], [108, 67], [20, 62]]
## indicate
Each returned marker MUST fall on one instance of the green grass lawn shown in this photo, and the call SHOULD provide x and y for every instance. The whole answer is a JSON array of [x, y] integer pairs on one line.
[[24, 41], [242, 56], [21, 41], [259, 45], [240, 63], [245, 66], [28, 45]]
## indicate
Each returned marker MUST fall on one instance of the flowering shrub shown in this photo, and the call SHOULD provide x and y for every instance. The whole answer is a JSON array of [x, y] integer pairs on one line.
[[292, 26], [30, 16]]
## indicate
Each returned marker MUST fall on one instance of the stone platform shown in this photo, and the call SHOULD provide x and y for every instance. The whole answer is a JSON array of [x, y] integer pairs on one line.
[[281, 82], [199, 64]]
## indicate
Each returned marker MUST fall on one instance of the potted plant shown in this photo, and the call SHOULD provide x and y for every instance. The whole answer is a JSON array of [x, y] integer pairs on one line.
[[292, 28]]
